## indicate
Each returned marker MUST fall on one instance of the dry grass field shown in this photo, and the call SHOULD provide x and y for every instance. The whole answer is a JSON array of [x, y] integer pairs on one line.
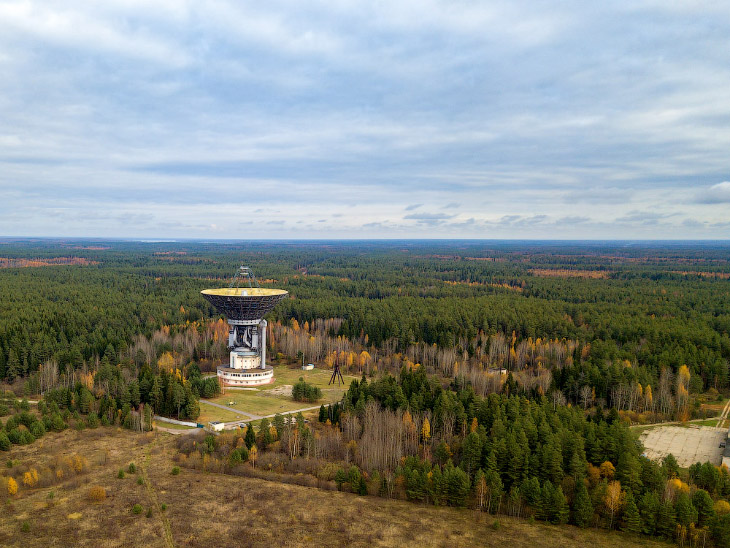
[[208, 509]]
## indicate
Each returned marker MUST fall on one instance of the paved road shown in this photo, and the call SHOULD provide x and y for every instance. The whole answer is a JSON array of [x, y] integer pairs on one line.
[[236, 423], [176, 431]]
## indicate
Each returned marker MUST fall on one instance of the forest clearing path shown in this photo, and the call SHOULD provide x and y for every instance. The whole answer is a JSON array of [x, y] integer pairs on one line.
[[724, 414], [155, 501]]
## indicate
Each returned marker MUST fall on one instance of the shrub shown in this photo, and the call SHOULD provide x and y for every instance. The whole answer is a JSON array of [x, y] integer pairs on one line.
[[149, 512], [495, 525], [12, 487], [25, 527], [97, 494], [37, 429], [4, 442], [140, 481], [163, 506], [120, 475], [92, 421], [175, 470], [137, 509], [131, 468], [303, 391]]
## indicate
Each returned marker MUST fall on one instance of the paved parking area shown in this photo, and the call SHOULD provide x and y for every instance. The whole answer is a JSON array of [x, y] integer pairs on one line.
[[688, 445]]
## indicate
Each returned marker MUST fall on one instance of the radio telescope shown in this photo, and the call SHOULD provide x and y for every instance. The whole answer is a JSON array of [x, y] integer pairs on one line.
[[245, 307]]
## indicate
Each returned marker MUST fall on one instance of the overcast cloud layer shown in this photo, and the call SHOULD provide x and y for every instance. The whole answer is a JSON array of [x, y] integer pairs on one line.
[[328, 119]]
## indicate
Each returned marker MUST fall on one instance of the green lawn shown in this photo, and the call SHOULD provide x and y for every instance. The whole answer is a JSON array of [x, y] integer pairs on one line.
[[317, 377], [209, 413], [263, 402]]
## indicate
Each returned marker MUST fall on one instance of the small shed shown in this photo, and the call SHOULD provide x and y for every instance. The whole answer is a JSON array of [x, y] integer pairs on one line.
[[308, 367], [216, 426]]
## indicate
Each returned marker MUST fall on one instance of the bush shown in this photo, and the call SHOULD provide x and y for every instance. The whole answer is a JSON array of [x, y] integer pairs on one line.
[[163, 506], [149, 512], [92, 421], [175, 470], [140, 481], [4, 442], [137, 509], [120, 475], [37, 429], [303, 391], [25, 527], [495, 525], [132, 469], [97, 494]]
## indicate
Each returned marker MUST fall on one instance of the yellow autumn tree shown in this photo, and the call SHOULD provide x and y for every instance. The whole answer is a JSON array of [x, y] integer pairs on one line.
[[474, 425], [648, 397], [683, 377], [607, 470], [166, 362], [30, 478], [426, 430], [614, 500], [252, 455], [12, 487]]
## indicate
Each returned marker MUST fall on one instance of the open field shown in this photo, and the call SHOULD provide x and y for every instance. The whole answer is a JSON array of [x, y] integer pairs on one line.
[[268, 400], [266, 513], [317, 377], [688, 445], [209, 413]]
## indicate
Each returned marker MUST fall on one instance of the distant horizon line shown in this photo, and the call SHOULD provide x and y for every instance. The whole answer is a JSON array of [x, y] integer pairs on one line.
[[199, 239]]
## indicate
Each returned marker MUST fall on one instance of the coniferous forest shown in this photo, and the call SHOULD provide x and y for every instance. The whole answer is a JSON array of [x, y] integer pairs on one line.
[[503, 376]]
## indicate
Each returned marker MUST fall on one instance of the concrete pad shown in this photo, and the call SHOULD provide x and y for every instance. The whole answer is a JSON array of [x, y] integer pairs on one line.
[[688, 445]]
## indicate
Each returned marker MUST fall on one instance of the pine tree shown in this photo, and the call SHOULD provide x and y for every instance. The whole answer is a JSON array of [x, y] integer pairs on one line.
[[686, 512], [559, 510], [250, 438], [702, 501], [631, 518], [471, 453], [156, 395], [582, 507], [666, 520]]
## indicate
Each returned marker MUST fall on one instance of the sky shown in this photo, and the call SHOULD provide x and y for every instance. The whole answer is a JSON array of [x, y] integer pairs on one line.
[[379, 119]]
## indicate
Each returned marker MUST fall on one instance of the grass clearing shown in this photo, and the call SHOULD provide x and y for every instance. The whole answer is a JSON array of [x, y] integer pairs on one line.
[[209, 413]]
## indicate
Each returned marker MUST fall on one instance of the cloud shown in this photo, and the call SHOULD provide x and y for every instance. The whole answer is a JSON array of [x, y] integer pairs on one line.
[[497, 113], [716, 194], [645, 217]]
